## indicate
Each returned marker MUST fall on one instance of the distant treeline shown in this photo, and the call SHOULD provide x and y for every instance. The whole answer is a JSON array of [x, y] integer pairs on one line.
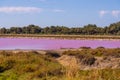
[[90, 29]]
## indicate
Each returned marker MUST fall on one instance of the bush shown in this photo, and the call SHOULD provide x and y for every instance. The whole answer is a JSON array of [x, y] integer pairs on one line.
[[4, 53], [85, 47], [113, 52], [8, 64], [84, 56], [86, 59], [53, 54]]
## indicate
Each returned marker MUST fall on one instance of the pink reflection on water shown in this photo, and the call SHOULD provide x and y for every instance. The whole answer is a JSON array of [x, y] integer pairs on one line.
[[49, 44]]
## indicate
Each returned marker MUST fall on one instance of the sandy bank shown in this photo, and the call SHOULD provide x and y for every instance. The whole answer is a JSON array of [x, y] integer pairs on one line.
[[101, 37]]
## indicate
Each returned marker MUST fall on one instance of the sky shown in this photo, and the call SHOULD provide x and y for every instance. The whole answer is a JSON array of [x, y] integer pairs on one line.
[[70, 13]]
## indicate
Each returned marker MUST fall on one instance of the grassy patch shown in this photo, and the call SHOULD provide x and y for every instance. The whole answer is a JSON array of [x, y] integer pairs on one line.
[[34, 66]]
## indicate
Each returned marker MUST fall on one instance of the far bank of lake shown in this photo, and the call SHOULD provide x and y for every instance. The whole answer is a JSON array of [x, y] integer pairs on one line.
[[52, 36]]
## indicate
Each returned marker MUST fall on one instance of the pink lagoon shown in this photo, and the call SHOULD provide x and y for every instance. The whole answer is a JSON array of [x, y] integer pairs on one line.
[[53, 44]]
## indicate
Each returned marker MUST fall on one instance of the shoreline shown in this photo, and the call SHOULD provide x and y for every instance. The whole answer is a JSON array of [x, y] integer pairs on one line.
[[74, 37], [53, 50]]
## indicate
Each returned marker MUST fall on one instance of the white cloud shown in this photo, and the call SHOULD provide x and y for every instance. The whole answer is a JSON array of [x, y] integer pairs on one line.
[[58, 10], [27, 10], [115, 13], [19, 9], [103, 12]]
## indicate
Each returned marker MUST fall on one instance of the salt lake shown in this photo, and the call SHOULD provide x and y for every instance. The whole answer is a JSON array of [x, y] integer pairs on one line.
[[53, 44]]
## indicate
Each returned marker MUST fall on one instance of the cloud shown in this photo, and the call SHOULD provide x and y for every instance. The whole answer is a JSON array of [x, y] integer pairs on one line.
[[115, 13], [103, 12], [58, 10], [27, 10], [19, 9]]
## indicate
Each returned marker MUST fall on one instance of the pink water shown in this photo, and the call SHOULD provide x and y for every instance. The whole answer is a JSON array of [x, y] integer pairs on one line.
[[52, 44]]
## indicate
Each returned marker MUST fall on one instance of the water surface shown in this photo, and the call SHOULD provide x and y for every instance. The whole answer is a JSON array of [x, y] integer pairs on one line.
[[52, 44]]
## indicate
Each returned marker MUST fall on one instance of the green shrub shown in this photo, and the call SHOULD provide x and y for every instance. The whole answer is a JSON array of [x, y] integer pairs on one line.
[[53, 54], [8, 64], [85, 47], [86, 59], [84, 56]]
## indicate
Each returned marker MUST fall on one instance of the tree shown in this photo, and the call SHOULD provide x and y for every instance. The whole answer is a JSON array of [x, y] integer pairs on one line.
[[90, 29], [33, 29], [3, 31]]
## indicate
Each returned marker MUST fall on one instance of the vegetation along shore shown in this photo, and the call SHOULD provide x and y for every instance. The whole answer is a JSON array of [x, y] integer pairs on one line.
[[82, 64]]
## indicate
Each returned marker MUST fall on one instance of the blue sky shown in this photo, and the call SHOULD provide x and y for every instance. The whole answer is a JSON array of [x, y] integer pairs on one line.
[[71, 13]]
